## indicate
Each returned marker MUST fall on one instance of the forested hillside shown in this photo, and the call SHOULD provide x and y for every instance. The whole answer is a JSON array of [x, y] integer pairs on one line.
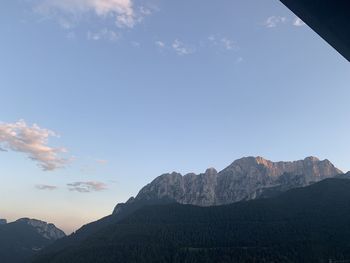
[[310, 224]]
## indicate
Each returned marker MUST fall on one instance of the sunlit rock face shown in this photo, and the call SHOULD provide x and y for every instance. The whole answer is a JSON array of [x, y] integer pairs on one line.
[[245, 179], [46, 230], [3, 221]]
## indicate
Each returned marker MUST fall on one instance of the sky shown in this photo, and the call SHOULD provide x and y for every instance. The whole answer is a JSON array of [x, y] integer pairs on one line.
[[99, 97]]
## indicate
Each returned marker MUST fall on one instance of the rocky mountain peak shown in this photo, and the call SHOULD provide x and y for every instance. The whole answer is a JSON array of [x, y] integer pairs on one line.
[[262, 161], [48, 231], [249, 161], [211, 171], [312, 159], [244, 179], [249, 164], [310, 166]]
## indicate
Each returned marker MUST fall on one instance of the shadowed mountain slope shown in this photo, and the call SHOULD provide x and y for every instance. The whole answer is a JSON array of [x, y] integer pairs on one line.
[[23, 238], [309, 224]]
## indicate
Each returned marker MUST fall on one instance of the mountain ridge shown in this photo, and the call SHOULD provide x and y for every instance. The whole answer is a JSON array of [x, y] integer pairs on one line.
[[21, 239], [307, 224], [311, 166], [46, 230], [244, 179]]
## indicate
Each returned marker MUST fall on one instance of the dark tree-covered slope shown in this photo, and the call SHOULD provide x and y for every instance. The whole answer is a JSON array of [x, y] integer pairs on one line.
[[244, 179], [21, 239], [310, 224]]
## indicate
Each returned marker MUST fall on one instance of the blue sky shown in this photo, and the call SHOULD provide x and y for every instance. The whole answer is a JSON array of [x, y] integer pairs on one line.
[[134, 89]]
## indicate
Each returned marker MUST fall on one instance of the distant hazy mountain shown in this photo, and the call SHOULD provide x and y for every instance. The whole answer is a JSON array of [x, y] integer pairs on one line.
[[245, 179], [308, 224], [21, 239]]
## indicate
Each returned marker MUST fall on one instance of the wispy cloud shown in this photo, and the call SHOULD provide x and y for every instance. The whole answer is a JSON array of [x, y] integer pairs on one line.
[[103, 34], [160, 44], [181, 49], [69, 12], [87, 187], [223, 42], [46, 187], [121, 10], [33, 141], [274, 21], [298, 22], [228, 43]]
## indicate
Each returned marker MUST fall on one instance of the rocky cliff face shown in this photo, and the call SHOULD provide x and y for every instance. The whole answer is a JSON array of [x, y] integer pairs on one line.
[[46, 230], [245, 179]]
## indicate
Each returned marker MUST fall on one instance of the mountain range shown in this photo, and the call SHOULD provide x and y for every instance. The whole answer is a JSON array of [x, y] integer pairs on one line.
[[307, 224], [249, 178], [245, 179], [241, 187]]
